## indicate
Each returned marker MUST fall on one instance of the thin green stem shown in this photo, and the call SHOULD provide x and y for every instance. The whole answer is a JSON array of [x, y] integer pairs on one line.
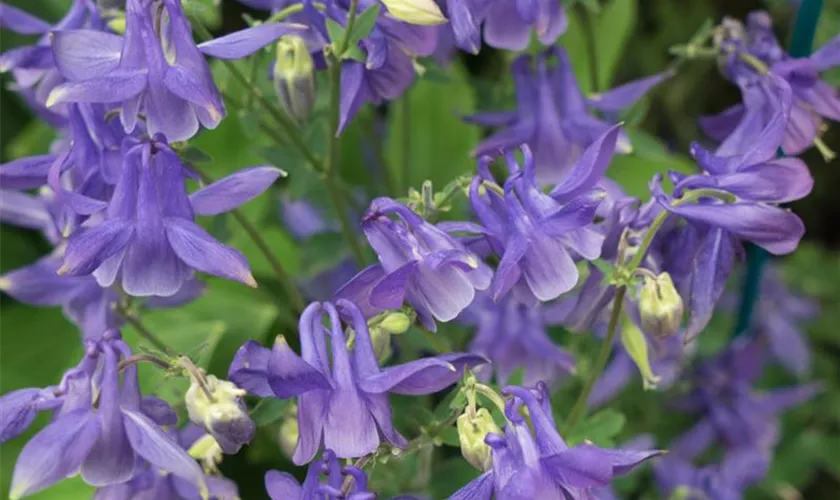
[[279, 271], [291, 10], [333, 147], [142, 330], [286, 123], [405, 133], [591, 47], [660, 219], [579, 409], [143, 357], [430, 435]]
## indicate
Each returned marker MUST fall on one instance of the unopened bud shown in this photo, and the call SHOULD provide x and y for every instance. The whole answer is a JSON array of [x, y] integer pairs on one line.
[[207, 451], [471, 433], [289, 432], [660, 306], [221, 412], [294, 77], [422, 12], [380, 339], [635, 344], [395, 323]]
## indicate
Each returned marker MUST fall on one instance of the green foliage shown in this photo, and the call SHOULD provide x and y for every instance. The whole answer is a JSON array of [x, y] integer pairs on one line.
[[437, 145]]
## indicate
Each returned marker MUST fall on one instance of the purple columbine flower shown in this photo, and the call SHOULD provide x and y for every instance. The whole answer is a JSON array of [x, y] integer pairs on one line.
[[538, 236], [146, 234], [677, 478], [156, 69], [814, 99], [342, 406], [33, 66], [729, 410], [283, 486], [538, 463], [513, 336], [553, 117], [778, 320], [508, 25], [744, 192], [389, 51], [419, 263], [101, 428], [148, 482]]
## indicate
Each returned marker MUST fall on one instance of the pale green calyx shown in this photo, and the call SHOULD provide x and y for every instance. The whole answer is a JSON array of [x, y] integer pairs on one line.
[[660, 306], [472, 429]]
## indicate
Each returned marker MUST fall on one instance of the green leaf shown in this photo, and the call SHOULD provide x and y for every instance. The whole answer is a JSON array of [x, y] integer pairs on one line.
[[193, 154], [335, 30], [269, 411], [601, 428], [649, 157], [439, 142], [363, 26]]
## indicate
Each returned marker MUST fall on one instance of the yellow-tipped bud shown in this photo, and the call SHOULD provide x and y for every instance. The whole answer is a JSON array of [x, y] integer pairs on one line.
[[635, 344]]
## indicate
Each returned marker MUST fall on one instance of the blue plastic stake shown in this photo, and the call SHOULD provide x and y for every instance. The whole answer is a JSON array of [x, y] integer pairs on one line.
[[801, 44]]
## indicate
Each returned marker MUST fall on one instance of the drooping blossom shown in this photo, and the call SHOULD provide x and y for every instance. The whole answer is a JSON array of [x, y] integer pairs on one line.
[[33, 66], [728, 410], [145, 235], [155, 70], [539, 464], [738, 201], [148, 482], [388, 52], [728, 480], [814, 99], [343, 405], [553, 117], [513, 336], [102, 428], [419, 263], [779, 318]]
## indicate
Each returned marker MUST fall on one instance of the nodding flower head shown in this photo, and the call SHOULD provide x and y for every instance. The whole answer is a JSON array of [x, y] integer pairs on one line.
[[342, 395]]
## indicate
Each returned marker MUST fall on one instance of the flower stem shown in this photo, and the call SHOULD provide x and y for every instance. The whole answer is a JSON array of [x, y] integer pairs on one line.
[[591, 47], [286, 123], [329, 169], [291, 10], [144, 357], [405, 133], [279, 271], [430, 435], [579, 409], [142, 330]]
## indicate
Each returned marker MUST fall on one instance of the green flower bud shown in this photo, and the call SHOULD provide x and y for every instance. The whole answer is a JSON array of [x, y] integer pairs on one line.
[[395, 323], [221, 412], [294, 77], [635, 344], [208, 452], [289, 432], [660, 306], [421, 12], [471, 433], [380, 338]]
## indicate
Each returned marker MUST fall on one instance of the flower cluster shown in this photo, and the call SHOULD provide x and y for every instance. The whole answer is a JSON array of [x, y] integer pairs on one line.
[[546, 245]]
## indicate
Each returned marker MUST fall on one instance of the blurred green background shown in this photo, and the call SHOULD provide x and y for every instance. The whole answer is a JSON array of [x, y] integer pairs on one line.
[[632, 40]]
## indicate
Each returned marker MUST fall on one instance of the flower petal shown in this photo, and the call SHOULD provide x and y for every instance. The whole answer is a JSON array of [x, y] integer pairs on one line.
[[245, 42], [282, 486], [422, 376], [115, 87], [85, 54], [234, 190], [201, 251], [55, 453], [584, 466], [161, 451], [89, 248]]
